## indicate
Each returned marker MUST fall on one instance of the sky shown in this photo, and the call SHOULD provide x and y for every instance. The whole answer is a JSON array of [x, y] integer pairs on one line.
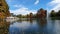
[[27, 6]]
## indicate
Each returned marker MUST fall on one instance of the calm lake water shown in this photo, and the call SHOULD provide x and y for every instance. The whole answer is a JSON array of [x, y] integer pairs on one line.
[[36, 26]]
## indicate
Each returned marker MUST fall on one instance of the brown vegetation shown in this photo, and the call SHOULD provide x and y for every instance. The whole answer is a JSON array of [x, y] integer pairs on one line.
[[4, 9]]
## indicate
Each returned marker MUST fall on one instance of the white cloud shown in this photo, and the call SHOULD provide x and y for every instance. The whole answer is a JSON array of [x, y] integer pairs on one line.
[[18, 6], [21, 8], [37, 1], [55, 4], [23, 11]]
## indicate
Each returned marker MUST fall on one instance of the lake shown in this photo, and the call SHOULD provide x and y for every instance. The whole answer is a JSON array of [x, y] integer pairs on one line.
[[35, 26]]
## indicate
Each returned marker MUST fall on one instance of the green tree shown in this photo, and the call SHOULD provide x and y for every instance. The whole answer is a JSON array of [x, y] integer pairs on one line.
[[58, 13], [52, 14]]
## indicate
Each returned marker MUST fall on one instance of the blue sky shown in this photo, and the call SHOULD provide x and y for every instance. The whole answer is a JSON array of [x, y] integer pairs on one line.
[[27, 6]]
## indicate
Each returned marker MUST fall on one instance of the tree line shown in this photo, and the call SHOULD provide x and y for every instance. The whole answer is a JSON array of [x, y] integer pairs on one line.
[[54, 14], [41, 13]]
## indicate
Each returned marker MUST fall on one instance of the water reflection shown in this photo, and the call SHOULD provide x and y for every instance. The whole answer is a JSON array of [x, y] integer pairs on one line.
[[42, 26], [23, 27], [4, 27], [53, 26], [30, 26], [55, 18]]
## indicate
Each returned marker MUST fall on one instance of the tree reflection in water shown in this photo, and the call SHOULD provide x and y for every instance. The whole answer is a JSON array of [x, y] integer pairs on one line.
[[42, 22], [4, 27]]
